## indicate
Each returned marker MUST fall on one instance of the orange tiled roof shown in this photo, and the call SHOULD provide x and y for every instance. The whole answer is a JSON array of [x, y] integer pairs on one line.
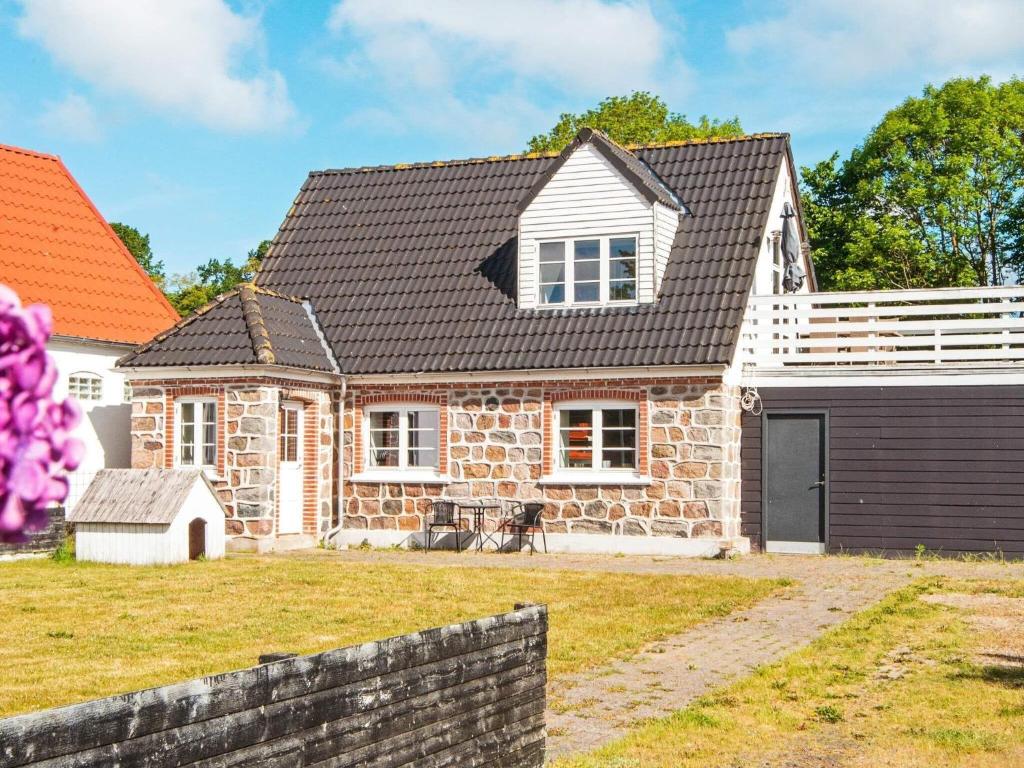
[[57, 249]]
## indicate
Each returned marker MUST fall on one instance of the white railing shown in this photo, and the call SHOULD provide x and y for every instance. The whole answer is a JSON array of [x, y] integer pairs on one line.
[[945, 326], [78, 482]]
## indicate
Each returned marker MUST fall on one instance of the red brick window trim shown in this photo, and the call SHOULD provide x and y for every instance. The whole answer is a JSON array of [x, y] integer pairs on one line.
[[362, 401], [610, 396], [172, 396]]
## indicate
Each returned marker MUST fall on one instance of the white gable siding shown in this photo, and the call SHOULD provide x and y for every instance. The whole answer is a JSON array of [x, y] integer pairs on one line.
[[763, 270], [763, 276], [666, 222], [586, 196]]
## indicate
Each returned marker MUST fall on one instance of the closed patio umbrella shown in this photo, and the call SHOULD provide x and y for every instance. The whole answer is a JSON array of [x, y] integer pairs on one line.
[[792, 274]]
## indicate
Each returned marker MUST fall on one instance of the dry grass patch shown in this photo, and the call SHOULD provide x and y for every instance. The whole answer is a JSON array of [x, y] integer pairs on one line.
[[908, 683], [75, 631]]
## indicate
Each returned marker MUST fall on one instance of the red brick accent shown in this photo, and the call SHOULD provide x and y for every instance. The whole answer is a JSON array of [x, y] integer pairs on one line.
[[171, 396], [548, 440], [310, 466], [440, 399], [268, 381], [569, 393]]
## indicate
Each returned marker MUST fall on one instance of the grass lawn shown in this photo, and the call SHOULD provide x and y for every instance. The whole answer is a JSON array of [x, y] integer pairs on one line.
[[75, 631], [933, 676]]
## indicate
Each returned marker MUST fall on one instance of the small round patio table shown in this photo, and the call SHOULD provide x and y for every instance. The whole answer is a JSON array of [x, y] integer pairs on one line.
[[479, 510]]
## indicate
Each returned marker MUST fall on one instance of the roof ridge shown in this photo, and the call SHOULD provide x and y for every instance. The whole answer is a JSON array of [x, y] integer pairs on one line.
[[118, 242], [276, 294], [456, 162], [252, 314], [708, 140], [29, 152]]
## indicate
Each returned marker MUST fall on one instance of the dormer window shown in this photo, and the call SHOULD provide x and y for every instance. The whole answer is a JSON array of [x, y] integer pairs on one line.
[[595, 230], [588, 271]]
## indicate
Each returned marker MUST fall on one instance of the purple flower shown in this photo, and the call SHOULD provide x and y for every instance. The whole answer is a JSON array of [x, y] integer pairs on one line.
[[36, 447]]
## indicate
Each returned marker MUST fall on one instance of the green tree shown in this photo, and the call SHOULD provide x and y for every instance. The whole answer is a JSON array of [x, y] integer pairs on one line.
[[190, 291], [640, 118], [139, 247], [933, 197]]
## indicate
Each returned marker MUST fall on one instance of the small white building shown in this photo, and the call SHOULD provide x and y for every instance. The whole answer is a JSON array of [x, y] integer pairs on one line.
[[148, 517]]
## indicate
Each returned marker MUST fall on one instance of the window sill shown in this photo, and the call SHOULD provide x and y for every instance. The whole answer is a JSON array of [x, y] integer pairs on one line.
[[593, 305], [595, 478], [400, 476]]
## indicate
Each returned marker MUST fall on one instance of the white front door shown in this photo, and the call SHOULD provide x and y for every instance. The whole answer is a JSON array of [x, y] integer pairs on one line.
[[290, 469]]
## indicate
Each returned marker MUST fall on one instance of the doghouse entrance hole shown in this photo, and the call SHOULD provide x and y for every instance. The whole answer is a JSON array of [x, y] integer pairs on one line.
[[196, 539]]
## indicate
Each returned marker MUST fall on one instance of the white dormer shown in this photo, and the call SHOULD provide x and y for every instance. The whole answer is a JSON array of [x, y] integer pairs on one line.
[[596, 230]]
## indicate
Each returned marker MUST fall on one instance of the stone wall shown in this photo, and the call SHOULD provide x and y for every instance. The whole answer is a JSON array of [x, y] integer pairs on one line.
[[248, 416], [499, 444], [250, 491]]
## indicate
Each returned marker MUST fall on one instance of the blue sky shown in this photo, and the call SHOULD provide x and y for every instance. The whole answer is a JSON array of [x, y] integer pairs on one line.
[[197, 120]]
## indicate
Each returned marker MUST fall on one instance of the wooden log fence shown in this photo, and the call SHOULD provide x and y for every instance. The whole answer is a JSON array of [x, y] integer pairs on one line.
[[469, 694], [46, 540]]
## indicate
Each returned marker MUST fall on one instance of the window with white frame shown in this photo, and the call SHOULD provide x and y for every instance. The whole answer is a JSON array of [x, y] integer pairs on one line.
[[403, 437], [197, 432], [590, 270], [85, 386], [289, 447], [600, 437]]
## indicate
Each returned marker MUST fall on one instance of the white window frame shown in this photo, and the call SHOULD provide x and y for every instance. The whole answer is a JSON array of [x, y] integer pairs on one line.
[[777, 270], [97, 386], [371, 472], [290, 406], [199, 445], [595, 474], [605, 271]]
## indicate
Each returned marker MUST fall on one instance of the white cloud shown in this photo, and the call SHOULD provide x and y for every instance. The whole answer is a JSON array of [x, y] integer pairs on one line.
[[73, 117], [589, 44], [181, 57], [460, 67], [844, 41]]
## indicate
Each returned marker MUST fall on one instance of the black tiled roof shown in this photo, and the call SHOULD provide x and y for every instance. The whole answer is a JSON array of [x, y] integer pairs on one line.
[[413, 268], [247, 325]]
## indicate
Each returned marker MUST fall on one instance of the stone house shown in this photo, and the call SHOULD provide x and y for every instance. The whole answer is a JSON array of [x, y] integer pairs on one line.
[[587, 330]]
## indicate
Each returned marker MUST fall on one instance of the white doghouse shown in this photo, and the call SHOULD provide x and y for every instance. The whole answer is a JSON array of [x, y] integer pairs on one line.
[[148, 517]]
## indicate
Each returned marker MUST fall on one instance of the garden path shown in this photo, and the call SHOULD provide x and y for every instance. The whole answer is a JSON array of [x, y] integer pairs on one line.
[[592, 708]]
